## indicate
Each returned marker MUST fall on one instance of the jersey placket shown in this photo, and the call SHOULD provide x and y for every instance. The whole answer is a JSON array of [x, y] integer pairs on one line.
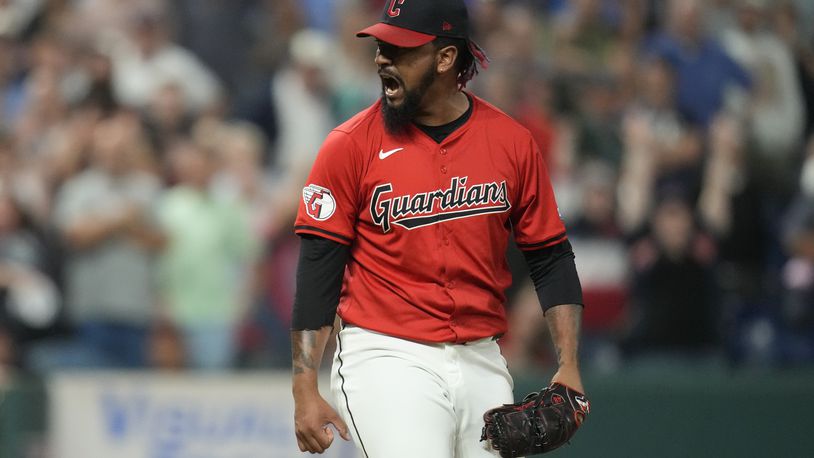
[[445, 234]]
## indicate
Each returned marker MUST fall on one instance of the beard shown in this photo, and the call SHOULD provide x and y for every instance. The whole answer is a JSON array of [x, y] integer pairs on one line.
[[397, 119]]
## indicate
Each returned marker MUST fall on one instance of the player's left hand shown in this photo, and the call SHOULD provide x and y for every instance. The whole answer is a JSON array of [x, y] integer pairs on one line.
[[542, 422]]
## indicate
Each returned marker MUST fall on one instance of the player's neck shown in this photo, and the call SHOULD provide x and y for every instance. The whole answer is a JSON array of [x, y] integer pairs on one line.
[[444, 106]]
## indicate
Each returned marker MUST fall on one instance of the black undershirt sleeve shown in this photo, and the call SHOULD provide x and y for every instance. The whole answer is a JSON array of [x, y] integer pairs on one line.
[[319, 281], [554, 275]]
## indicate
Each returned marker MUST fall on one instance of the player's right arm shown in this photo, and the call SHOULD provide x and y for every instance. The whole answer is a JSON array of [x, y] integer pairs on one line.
[[326, 223], [312, 414], [319, 281]]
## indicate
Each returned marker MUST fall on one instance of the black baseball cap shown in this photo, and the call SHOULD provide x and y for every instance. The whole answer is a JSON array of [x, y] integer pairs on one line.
[[412, 23]]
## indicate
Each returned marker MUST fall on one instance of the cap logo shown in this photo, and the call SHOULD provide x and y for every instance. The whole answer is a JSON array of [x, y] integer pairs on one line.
[[446, 26], [393, 11]]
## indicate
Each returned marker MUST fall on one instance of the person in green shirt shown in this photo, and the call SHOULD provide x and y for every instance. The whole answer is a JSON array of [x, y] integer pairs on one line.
[[203, 268]]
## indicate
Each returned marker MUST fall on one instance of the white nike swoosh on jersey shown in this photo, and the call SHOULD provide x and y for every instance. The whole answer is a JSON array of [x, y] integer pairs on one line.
[[385, 154]]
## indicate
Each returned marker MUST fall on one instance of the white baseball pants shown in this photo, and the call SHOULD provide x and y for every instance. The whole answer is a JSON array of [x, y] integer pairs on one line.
[[404, 399]]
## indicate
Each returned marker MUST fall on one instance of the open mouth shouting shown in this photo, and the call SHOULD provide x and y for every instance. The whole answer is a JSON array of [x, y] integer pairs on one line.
[[392, 87]]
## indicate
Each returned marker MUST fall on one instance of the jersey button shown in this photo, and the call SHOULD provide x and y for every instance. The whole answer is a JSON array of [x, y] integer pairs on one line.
[[446, 242], [451, 285], [443, 169], [443, 151]]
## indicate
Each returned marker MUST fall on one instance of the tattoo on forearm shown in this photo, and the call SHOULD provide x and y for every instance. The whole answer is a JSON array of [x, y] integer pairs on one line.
[[564, 325], [558, 349], [303, 349]]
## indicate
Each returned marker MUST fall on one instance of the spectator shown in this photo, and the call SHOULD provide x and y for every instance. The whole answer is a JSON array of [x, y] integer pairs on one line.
[[66, 149], [798, 301], [597, 120], [674, 295], [241, 179], [209, 246], [585, 37], [789, 28], [775, 117], [242, 182], [98, 93], [15, 16], [219, 33], [24, 181], [660, 149], [303, 96], [355, 86], [11, 83], [7, 357], [150, 61], [692, 52], [105, 21], [798, 272], [45, 97], [272, 24], [29, 300], [656, 104], [604, 268], [603, 265], [167, 117], [525, 346], [730, 209], [106, 216], [535, 111]]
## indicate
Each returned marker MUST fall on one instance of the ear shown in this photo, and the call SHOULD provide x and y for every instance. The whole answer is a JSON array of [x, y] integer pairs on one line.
[[446, 58]]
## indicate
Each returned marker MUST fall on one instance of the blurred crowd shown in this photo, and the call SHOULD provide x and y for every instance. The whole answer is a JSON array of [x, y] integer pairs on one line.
[[152, 154]]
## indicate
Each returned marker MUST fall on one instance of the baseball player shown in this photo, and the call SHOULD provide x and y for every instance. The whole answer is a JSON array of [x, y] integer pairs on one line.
[[405, 219]]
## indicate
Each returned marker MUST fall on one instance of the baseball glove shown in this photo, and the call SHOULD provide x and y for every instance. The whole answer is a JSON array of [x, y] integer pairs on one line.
[[540, 423]]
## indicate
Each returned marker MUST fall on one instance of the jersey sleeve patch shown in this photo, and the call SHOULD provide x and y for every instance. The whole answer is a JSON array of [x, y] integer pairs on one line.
[[319, 202]]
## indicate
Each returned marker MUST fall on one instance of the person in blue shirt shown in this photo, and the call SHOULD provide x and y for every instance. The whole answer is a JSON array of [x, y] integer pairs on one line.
[[703, 69]]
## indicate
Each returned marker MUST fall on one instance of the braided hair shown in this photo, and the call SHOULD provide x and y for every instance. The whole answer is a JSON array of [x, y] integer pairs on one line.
[[470, 56]]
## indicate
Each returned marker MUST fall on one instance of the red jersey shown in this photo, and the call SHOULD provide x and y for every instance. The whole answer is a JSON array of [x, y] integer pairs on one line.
[[428, 224]]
